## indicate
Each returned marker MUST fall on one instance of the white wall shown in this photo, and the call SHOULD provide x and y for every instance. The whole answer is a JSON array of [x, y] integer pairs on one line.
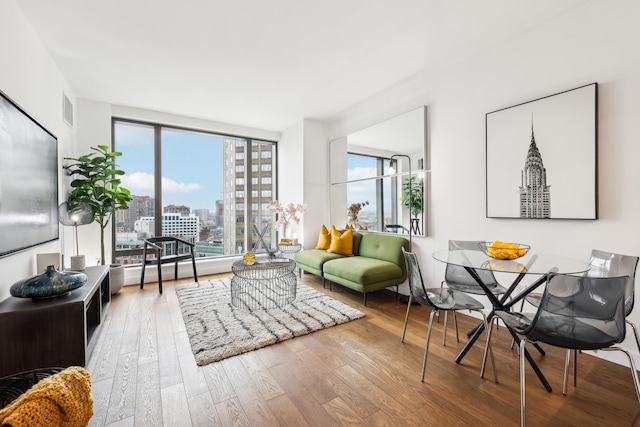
[[290, 171], [303, 174], [30, 78], [315, 177], [595, 42]]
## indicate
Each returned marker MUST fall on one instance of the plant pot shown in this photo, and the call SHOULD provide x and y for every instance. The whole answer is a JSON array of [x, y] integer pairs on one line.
[[116, 278], [77, 263]]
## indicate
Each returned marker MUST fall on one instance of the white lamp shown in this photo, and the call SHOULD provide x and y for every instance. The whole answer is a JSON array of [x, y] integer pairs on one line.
[[76, 214]]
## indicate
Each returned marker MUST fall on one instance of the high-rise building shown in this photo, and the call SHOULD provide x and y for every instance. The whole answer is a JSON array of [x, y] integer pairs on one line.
[[241, 195], [139, 206], [173, 224], [182, 210], [202, 214], [534, 191]]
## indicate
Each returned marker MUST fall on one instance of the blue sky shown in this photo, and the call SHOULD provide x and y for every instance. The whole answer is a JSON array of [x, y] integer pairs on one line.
[[359, 167], [192, 167]]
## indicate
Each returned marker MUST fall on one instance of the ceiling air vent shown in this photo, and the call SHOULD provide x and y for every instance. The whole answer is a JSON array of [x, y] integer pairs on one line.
[[67, 110]]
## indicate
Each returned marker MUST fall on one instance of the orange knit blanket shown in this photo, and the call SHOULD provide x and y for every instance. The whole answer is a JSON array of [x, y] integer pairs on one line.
[[63, 399]]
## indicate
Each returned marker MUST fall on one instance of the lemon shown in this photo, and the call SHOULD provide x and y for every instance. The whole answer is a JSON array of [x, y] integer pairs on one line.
[[249, 258]]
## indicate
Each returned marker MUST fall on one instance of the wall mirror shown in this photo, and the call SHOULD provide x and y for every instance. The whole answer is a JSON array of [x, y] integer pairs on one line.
[[369, 195]]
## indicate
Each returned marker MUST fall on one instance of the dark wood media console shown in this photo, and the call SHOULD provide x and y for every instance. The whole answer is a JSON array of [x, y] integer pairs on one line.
[[56, 332]]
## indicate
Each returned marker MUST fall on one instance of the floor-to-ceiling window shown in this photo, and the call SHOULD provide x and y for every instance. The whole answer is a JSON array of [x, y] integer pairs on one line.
[[206, 188]]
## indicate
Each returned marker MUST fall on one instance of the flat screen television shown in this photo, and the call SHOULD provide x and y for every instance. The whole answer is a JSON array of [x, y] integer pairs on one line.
[[28, 180]]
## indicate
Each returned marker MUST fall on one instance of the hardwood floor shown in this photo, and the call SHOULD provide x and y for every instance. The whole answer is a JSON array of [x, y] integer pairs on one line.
[[359, 373]]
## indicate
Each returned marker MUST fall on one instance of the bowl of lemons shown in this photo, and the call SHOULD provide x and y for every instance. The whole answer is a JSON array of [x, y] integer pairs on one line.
[[504, 250]]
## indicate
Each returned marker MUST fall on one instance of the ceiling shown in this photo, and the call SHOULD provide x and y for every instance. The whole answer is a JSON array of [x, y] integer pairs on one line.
[[266, 64]]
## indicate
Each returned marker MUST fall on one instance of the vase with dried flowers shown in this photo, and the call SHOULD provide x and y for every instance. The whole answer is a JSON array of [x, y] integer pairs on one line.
[[353, 211], [291, 212]]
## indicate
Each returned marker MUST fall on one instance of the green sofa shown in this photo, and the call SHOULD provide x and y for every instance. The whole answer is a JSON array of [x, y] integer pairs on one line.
[[378, 263]]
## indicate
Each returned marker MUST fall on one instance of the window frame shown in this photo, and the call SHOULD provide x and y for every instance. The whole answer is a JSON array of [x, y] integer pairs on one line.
[[248, 178]]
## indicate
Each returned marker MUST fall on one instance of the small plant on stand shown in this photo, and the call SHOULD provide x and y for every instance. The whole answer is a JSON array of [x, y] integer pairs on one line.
[[413, 199]]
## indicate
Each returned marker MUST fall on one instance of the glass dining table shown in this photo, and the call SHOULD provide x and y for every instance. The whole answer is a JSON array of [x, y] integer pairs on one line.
[[533, 264]]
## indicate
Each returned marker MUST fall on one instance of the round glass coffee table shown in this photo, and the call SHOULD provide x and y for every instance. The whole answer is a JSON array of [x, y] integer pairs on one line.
[[263, 285]]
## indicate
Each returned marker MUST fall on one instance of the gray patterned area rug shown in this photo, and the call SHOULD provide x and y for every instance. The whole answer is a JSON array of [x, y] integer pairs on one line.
[[218, 330]]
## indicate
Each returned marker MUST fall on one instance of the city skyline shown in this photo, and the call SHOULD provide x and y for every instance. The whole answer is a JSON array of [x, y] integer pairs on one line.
[[187, 176]]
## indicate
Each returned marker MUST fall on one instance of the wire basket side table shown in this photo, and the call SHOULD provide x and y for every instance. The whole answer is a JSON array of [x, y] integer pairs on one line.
[[263, 285], [289, 251]]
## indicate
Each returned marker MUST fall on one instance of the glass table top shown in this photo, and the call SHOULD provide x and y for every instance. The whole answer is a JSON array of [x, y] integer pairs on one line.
[[531, 263]]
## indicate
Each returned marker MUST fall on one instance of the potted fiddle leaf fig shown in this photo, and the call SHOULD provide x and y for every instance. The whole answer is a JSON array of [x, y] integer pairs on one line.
[[96, 181]]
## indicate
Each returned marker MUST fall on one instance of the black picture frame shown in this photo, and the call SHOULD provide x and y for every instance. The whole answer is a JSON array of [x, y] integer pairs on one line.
[[28, 180], [541, 157]]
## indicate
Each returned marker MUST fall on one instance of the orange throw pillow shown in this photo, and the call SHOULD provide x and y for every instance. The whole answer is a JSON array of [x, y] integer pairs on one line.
[[341, 243], [324, 238]]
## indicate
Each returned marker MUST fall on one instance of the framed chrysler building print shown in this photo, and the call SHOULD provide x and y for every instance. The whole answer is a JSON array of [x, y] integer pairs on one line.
[[542, 157]]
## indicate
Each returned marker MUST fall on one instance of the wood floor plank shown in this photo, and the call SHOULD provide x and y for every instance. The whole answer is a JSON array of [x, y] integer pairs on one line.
[[386, 402], [148, 397], [302, 397], [101, 394], [231, 413], [148, 342], [192, 375], [119, 308], [177, 322], [248, 395], [105, 359], [123, 392], [203, 411], [175, 407], [262, 379], [286, 412], [219, 384], [343, 412], [131, 340], [168, 362], [99, 340], [127, 422]]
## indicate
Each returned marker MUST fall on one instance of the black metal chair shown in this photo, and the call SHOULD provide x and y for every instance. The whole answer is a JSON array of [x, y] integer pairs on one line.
[[444, 299], [167, 250], [397, 228], [575, 313]]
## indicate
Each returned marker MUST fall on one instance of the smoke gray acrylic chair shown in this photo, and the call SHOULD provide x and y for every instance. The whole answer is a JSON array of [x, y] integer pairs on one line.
[[444, 299], [575, 313], [459, 279], [603, 264]]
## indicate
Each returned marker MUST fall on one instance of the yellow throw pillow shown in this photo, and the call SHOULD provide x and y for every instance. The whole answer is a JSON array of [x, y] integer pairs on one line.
[[324, 238], [348, 227], [341, 243]]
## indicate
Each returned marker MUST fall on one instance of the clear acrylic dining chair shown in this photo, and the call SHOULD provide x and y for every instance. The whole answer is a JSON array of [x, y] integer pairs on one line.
[[602, 264], [459, 279], [576, 313], [440, 299]]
